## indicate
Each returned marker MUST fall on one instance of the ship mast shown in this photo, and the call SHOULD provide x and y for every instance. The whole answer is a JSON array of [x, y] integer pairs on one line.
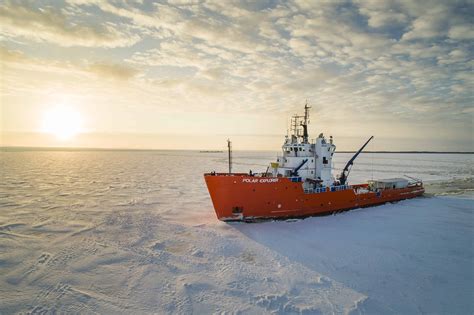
[[305, 122], [298, 123], [229, 149]]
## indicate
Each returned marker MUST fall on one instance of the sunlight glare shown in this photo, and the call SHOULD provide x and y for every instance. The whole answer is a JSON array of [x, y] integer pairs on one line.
[[63, 122]]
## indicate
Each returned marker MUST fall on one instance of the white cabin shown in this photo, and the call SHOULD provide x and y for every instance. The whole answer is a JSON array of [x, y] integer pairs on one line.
[[390, 183], [310, 161]]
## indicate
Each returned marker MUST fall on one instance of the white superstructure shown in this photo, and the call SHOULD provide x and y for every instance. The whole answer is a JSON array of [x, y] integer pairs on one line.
[[390, 183], [311, 161]]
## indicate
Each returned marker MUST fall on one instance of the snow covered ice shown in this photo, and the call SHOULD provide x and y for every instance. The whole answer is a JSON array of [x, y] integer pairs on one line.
[[135, 232]]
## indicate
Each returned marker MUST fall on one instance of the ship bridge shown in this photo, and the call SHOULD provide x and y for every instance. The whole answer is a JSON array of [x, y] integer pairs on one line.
[[310, 161]]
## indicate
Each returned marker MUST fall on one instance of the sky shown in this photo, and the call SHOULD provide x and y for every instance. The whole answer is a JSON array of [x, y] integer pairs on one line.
[[183, 74]]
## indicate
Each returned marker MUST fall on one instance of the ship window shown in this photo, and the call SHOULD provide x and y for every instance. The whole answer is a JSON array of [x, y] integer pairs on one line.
[[301, 149], [325, 160], [311, 172], [312, 161]]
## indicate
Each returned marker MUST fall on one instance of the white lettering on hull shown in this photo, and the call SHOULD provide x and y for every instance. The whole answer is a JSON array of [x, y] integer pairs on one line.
[[259, 180]]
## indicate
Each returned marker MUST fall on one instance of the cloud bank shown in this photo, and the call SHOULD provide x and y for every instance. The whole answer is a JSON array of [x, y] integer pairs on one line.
[[386, 66]]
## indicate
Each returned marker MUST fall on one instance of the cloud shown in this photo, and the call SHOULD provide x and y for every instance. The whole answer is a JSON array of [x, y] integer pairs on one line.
[[7, 55], [157, 23], [370, 60], [462, 31], [17, 60], [52, 25], [113, 71], [296, 38], [382, 13], [442, 19]]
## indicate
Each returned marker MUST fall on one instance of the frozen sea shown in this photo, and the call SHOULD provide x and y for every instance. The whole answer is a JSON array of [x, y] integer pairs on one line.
[[134, 232]]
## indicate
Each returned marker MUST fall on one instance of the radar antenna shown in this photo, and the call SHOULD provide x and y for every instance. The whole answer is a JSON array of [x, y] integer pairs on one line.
[[299, 126]]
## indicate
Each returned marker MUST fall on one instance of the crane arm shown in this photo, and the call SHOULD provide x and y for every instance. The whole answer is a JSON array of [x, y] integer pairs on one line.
[[346, 170], [295, 171]]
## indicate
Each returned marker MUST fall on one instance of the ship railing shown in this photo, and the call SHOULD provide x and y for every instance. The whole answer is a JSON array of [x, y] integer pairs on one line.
[[415, 184], [339, 187], [225, 174], [315, 190], [325, 189], [295, 179]]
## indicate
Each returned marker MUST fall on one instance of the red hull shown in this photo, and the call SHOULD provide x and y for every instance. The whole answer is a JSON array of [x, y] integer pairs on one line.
[[244, 197]]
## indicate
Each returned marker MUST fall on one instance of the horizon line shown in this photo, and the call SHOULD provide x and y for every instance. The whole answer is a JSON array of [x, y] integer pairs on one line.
[[28, 148]]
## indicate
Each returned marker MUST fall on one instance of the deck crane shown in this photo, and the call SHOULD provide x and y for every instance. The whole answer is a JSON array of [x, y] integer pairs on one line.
[[347, 169]]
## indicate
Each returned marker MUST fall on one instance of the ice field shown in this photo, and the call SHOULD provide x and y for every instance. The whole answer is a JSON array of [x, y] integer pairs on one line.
[[135, 232]]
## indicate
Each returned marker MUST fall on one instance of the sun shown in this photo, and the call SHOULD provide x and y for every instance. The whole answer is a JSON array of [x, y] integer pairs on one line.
[[63, 122]]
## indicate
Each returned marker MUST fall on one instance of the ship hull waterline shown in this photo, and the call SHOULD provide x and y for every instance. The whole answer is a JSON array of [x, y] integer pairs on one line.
[[241, 197]]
